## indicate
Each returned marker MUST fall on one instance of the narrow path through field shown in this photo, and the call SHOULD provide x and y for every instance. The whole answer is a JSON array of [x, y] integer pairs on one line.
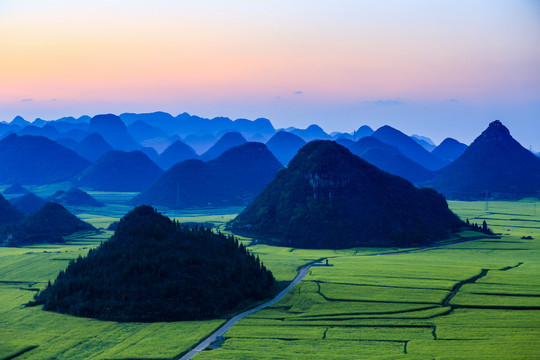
[[224, 328]]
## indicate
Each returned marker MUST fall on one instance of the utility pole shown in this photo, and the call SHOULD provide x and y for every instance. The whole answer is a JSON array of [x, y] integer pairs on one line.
[[486, 205]]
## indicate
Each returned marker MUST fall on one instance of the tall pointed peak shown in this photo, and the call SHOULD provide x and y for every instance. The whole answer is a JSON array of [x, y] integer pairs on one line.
[[496, 131]]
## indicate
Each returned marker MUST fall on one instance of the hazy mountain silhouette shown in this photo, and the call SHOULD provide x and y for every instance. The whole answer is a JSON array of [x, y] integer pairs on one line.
[[141, 131], [408, 147], [175, 153], [92, 147], [74, 197], [449, 150], [28, 204], [153, 269], [8, 213], [114, 131], [199, 143], [227, 141], [330, 198], [67, 143], [495, 164], [346, 142], [425, 142], [120, 171], [15, 189], [47, 131], [37, 160], [312, 132], [39, 122], [284, 145], [234, 178], [186, 124], [66, 127], [151, 153], [19, 121], [48, 225], [390, 159], [363, 131]]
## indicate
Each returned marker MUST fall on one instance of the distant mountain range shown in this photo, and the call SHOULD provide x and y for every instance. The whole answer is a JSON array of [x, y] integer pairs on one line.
[[175, 153], [409, 147], [284, 145], [227, 141], [119, 171], [390, 159], [92, 147], [234, 178], [45, 152], [114, 131], [37, 160], [449, 150]]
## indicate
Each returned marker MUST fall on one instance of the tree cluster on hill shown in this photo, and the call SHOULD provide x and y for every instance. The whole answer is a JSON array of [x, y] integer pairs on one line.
[[330, 198], [480, 228], [155, 269], [48, 225]]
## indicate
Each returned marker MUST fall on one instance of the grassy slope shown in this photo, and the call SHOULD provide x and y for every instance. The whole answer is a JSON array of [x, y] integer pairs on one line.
[[363, 306]]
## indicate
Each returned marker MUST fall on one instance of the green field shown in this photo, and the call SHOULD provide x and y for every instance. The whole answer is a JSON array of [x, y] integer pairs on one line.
[[474, 299]]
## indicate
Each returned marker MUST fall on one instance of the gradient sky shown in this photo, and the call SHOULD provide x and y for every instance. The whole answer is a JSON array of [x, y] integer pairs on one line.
[[435, 68]]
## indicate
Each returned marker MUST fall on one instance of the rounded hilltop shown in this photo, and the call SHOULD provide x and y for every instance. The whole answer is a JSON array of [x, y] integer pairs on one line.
[[330, 198], [155, 269]]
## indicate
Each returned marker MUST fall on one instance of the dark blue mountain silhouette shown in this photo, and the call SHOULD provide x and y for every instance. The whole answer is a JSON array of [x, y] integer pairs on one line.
[[494, 165], [175, 153], [74, 197], [19, 121], [28, 204], [234, 178], [186, 124], [141, 131], [390, 159], [312, 132], [114, 131], [48, 225], [8, 213], [409, 147], [227, 141], [449, 150], [284, 145], [120, 171], [36, 160], [92, 147], [15, 189]]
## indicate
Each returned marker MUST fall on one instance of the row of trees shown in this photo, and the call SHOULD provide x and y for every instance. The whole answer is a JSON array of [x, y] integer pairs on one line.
[[480, 228]]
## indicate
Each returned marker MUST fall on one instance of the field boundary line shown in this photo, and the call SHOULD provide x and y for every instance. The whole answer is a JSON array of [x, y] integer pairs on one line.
[[225, 327]]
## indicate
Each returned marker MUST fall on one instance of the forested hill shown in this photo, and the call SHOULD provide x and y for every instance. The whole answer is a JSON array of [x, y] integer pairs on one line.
[[154, 269], [331, 198]]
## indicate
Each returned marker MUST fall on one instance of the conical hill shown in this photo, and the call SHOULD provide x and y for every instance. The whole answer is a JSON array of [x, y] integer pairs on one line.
[[494, 165], [154, 269], [330, 198]]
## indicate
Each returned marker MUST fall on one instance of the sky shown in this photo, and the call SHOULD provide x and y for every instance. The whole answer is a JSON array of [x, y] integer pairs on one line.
[[434, 68]]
